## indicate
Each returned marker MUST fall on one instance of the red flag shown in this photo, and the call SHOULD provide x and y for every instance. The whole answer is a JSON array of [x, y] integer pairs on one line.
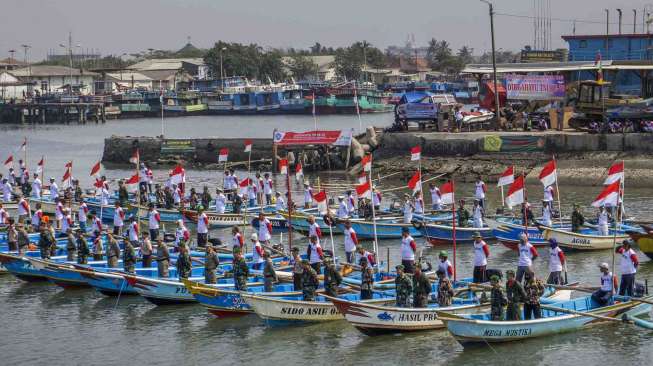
[[244, 183], [298, 169], [223, 155], [548, 173], [516, 192], [248, 145], [132, 183], [447, 193], [178, 175], [413, 183], [95, 169], [98, 183], [507, 177], [609, 196], [321, 199], [39, 166], [135, 157], [283, 166], [366, 163], [415, 153], [69, 164], [615, 173], [9, 162], [66, 176], [363, 190]]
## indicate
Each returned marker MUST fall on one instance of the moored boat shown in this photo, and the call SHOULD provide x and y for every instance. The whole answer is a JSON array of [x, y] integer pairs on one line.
[[644, 240], [443, 234], [386, 228], [587, 239]]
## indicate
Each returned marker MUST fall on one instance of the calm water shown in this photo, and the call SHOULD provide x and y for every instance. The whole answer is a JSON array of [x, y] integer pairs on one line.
[[42, 323]]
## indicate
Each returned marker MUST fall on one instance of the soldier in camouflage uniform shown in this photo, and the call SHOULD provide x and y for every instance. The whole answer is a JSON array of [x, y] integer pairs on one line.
[[162, 258], [421, 288], [332, 278], [367, 279], [462, 214], [497, 299], [128, 256], [403, 288], [269, 274], [113, 252], [45, 242], [71, 248], [297, 269], [241, 271], [183, 262], [445, 289], [515, 295], [534, 289], [577, 219], [310, 281], [211, 263], [82, 248]]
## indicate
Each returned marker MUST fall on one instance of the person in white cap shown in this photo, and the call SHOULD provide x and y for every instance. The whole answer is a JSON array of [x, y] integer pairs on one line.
[[36, 186], [343, 212], [279, 203], [220, 201], [54, 189], [308, 196], [264, 228], [182, 235], [257, 253], [608, 285]]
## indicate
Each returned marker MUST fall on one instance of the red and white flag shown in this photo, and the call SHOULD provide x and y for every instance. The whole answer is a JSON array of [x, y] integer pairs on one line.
[[69, 164], [366, 163], [615, 173], [39, 165], [516, 192], [9, 162], [507, 177], [363, 190], [244, 183], [415, 153], [283, 166], [321, 199], [135, 159], [67, 176], [178, 175], [414, 182], [248, 145], [95, 169], [23, 146], [548, 175], [447, 193], [362, 178], [132, 183], [609, 196], [223, 155]]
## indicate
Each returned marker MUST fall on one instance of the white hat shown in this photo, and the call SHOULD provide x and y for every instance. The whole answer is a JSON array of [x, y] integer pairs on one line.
[[341, 198], [254, 236], [180, 222], [604, 265]]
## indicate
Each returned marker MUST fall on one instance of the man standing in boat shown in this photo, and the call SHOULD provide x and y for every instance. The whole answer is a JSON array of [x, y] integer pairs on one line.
[[314, 228], [310, 281], [527, 254], [269, 274], [403, 288], [183, 263], [577, 219], [343, 211], [211, 263], [479, 191], [202, 227], [408, 250], [408, 209], [608, 285], [603, 219], [220, 201], [308, 195], [421, 288], [297, 269], [515, 295], [444, 264], [462, 215], [113, 252], [481, 254], [549, 194], [237, 240], [351, 241], [534, 289], [118, 219], [314, 253], [267, 188], [279, 202], [628, 264], [477, 214], [556, 263], [332, 278], [367, 280], [153, 219], [162, 258], [264, 228], [436, 197], [257, 253], [546, 214], [82, 248], [497, 299], [129, 258]]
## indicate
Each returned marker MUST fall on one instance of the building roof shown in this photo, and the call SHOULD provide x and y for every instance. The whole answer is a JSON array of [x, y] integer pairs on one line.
[[47, 70], [12, 62], [604, 36], [128, 76], [166, 75], [557, 66], [165, 64]]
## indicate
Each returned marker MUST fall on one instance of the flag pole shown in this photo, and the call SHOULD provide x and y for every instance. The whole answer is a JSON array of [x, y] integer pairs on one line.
[[453, 226], [503, 200], [138, 191], [314, 115], [557, 191], [289, 203], [614, 235], [523, 175], [25, 159], [622, 208], [376, 244]]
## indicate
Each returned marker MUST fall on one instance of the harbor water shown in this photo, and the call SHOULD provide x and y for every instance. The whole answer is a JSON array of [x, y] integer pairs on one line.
[[43, 324]]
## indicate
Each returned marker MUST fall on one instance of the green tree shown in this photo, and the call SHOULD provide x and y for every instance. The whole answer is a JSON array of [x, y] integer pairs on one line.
[[302, 67], [249, 61], [349, 61]]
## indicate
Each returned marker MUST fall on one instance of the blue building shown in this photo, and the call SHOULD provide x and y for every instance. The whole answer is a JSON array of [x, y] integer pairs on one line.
[[616, 47]]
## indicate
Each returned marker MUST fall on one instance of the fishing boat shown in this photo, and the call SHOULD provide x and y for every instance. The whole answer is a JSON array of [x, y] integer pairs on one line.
[[643, 240], [278, 222], [558, 317], [23, 269], [48, 206], [169, 216], [508, 230], [386, 228], [438, 234], [301, 225], [586, 239]]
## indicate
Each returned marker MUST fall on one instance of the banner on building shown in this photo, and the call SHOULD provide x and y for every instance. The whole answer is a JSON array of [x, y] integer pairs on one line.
[[507, 144], [335, 138], [535, 87]]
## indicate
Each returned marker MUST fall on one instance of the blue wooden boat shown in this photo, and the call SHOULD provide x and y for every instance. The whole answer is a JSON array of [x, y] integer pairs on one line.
[[386, 228], [443, 234], [267, 102], [508, 230], [22, 268], [117, 282], [471, 329], [300, 223], [244, 103], [279, 224], [291, 102]]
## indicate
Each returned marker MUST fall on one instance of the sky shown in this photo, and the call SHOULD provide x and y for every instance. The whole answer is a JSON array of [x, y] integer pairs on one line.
[[126, 26]]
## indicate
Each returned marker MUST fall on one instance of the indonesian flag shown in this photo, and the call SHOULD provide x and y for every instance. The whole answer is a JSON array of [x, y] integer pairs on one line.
[[363, 190], [69, 164], [283, 166], [615, 173], [132, 183], [178, 175], [223, 155], [66, 176], [548, 174], [23, 146], [321, 199], [244, 183], [362, 178], [507, 177], [609, 196], [95, 169], [9, 162], [248, 145], [415, 153], [98, 183], [366, 163], [135, 157], [516, 192], [299, 171], [414, 182], [447, 193], [39, 166]]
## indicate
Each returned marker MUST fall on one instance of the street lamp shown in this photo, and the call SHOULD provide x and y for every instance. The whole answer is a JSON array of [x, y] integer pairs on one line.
[[221, 69], [26, 48], [494, 66]]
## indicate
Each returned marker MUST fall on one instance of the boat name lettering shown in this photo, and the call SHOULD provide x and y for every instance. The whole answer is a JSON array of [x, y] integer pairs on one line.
[[581, 241], [417, 317], [522, 332], [309, 311]]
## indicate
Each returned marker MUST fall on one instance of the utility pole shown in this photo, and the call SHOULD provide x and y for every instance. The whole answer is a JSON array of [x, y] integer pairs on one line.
[[29, 68], [494, 67], [619, 12], [607, 33], [221, 68], [634, 21]]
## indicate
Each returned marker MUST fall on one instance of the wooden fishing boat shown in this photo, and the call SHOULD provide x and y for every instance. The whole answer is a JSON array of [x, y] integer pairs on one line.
[[508, 230], [386, 228], [470, 329], [216, 220], [443, 234], [587, 239], [278, 222], [300, 223], [48, 206], [22, 268], [169, 216], [644, 240]]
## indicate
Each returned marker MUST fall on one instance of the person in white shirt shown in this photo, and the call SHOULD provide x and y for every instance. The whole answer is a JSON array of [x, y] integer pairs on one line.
[[7, 190], [527, 254], [82, 215], [118, 219], [23, 209], [556, 263], [608, 284], [279, 203], [376, 198], [351, 241], [408, 209], [220, 201], [176, 195], [4, 216], [202, 227], [408, 250], [36, 217], [66, 222], [351, 203], [54, 189], [628, 265], [153, 219], [267, 188], [477, 214], [343, 211], [257, 253], [36, 187], [546, 214], [436, 198], [133, 230], [479, 192], [548, 194], [264, 228], [603, 218], [252, 193], [419, 203], [58, 212], [308, 196]]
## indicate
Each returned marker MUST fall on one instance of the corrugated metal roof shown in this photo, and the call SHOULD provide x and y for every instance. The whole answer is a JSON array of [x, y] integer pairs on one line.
[[45, 70], [536, 67], [128, 75], [165, 64]]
